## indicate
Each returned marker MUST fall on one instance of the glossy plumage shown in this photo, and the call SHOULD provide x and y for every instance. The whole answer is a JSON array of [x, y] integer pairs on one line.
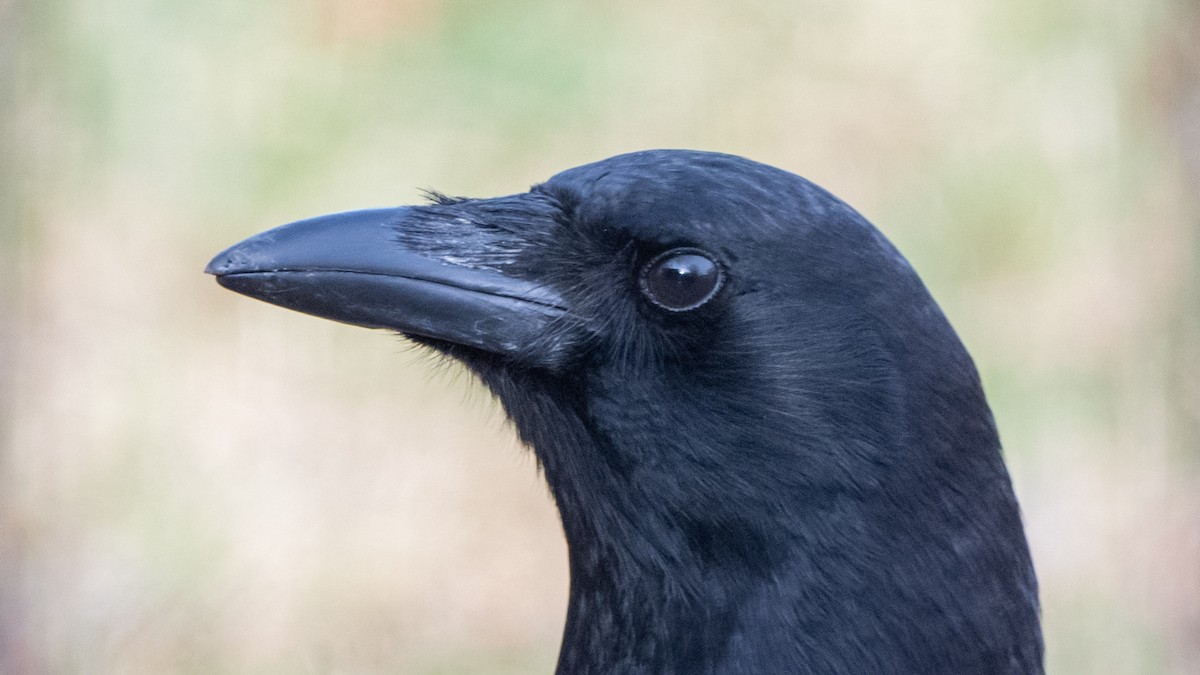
[[800, 474]]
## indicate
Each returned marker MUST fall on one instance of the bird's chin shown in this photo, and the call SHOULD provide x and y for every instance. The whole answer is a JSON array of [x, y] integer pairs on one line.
[[469, 356], [493, 366]]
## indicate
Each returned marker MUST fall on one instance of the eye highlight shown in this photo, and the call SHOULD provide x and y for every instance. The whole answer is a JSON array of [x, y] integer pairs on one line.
[[681, 279]]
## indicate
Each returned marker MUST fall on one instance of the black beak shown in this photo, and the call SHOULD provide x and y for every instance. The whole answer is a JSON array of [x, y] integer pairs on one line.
[[352, 267]]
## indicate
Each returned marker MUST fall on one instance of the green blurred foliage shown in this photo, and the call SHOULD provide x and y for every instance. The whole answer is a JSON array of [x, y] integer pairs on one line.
[[191, 483]]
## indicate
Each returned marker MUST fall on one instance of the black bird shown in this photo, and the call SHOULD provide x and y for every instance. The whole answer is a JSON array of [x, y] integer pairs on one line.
[[769, 449]]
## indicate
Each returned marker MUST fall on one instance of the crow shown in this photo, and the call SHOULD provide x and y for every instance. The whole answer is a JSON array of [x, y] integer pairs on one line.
[[769, 450]]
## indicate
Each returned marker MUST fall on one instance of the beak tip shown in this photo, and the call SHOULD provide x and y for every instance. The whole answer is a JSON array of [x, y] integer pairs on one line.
[[216, 266], [227, 261]]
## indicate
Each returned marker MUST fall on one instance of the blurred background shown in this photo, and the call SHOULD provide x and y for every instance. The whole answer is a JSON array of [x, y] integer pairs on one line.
[[191, 481]]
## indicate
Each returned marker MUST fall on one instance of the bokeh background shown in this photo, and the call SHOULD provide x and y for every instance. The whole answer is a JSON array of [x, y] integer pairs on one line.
[[194, 482]]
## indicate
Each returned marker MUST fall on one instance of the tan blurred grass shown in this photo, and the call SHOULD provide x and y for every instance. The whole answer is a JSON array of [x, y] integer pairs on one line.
[[191, 482]]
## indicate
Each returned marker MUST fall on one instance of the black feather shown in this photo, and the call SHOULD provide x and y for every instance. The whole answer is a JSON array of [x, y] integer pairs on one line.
[[801, 475]]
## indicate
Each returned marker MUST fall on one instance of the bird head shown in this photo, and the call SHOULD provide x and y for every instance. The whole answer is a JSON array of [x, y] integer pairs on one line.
[[732, 380]]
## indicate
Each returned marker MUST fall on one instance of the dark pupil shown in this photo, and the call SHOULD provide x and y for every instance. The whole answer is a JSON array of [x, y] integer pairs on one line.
[[683, 281]]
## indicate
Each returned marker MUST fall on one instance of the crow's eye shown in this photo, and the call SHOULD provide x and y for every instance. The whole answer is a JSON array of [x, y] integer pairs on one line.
[[681, 279]]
